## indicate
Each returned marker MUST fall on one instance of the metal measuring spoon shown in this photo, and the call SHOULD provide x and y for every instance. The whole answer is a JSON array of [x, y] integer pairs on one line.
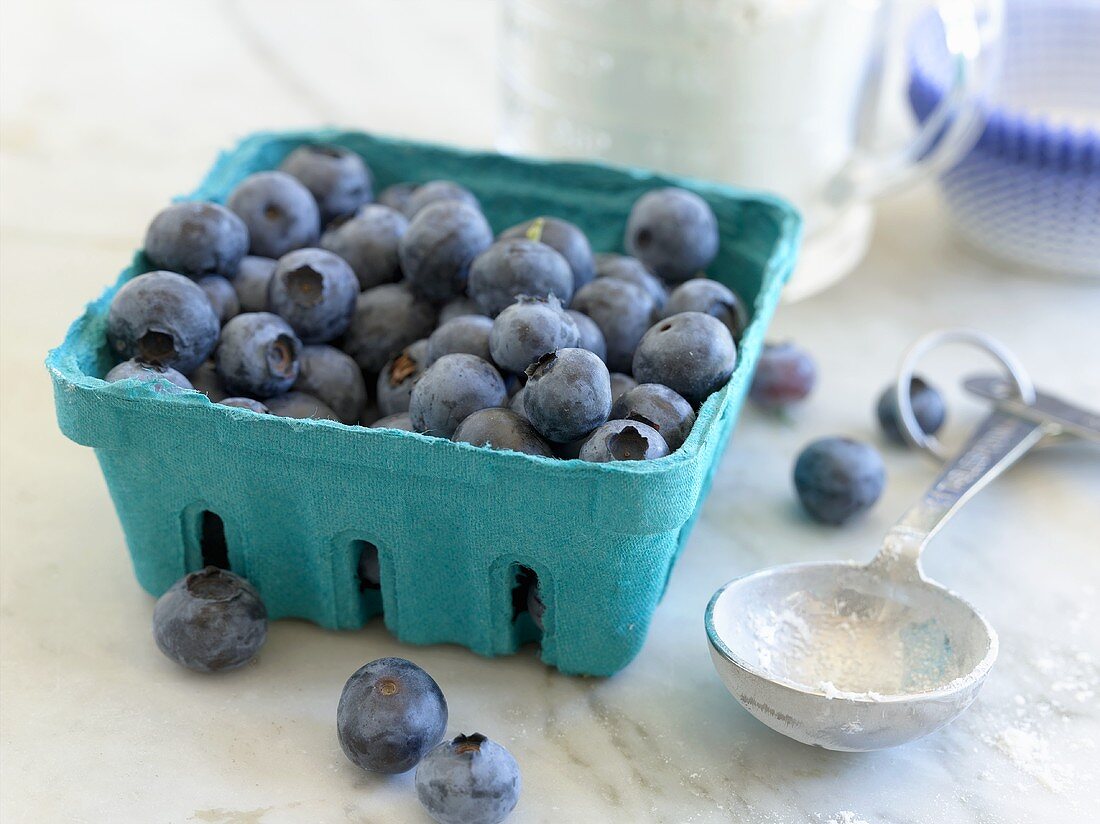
[[856, 657], [1065, 416]]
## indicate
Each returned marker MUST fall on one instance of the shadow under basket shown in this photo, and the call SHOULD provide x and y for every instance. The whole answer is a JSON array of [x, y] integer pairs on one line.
[[292, 505]]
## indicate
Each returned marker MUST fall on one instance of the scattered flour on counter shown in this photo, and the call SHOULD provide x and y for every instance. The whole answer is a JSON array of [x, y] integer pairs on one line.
[[846, 817], [1030, 753]]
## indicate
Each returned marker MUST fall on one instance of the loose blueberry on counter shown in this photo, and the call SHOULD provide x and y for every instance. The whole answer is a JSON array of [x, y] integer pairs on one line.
[[195, 239], [623, 312], [246, 403], [511, 268], [399, 421], [300, 405], [711, 298], [399, 376], [334, 378], [591, 338], [210, 621], [528, 329], [632, 270], [440, 244], [620, 385], [438, 191], [459, 307], [391, 714], [499, 428], [387, 319], [659, 407], [673, 232], [468, 780], [134, 369], [452, 389], [280, 213], [624, 441], [928, 408], [397, 196], [568, 394], [690, 353], [838, 478], [222, 296], [258, 355], [563, 237], [337, 178], [205, 379], [368, 241], [252, 282], [314, 291], [164, 319], [468, 334], [785, 375]]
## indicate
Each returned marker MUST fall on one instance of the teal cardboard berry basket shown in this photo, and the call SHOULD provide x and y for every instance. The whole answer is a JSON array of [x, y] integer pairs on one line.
[[291, 504]]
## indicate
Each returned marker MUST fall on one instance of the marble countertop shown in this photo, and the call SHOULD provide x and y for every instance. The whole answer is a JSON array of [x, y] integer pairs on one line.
[[109, 108]]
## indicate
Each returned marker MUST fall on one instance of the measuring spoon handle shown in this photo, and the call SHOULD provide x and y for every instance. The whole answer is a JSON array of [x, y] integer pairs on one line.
[[1069, 418]]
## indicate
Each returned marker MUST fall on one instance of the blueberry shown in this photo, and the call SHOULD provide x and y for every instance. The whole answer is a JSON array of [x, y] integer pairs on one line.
[[510, 268], [222, 296], [838, 478], [468, 780], [469, 334], [337, 178], [690, 353], [632, 270], [252, 282], [332, 377], [590, 338], [209, 621], [368, 241], [246, 403], [450, 390], [563, 237], [147, 373], [515, 403], [785, 375], [528, 329], [399, 421], [624, 441], [280, 213], [438, 191], [440, 244], [459, 307], [391, 714], [659, 407], [535, 606], [258, 355], [623, 312], [673, 232], [205, 379], [196, 239], [502, 429], [397, 196], [399, 376], [928, 408], [568, 394], [711, 298], [164, 319], [295, 404], [315, 292], [387, 319], [620, 385]]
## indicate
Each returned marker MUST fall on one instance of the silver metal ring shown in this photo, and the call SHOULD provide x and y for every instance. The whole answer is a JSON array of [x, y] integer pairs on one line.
[[910, 429]]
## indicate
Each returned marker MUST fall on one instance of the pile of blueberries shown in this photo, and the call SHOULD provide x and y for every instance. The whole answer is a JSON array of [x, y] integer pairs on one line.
[[306, 297]]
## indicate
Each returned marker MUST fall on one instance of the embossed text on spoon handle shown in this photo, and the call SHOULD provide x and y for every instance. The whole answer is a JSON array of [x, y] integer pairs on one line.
[[1075, 420]]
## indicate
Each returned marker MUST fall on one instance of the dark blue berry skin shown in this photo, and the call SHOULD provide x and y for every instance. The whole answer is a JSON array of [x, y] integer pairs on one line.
[[623, 312], [397, 196], [314, 291], [690, 353], [928, 408], [258, 355], [399, 376], [452, 389], [391, 713], [400, 421], [528, 329], [469, 334], [785, 375], [280, 213], [459, 307], [711, 298], [337, 178], [210, 621], [205, 379], [387, 319], [252, 282], [511, 268], [438, 191], [620, 385], [334, 378], [659, 407], [440, 244], [295, 404], [164, 319], [222, 296], [673, 232], [468, 780], [502, 429], [535, 606], [590, 336], [563, 237], [368, 241], [246, 403], [632, 270], [568, 394], [623, 441], [147, 373], [515, 403], [196, 239], [838, 478]]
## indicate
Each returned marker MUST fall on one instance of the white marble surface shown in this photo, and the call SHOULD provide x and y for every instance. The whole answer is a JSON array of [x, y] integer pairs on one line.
[[109, 108]]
